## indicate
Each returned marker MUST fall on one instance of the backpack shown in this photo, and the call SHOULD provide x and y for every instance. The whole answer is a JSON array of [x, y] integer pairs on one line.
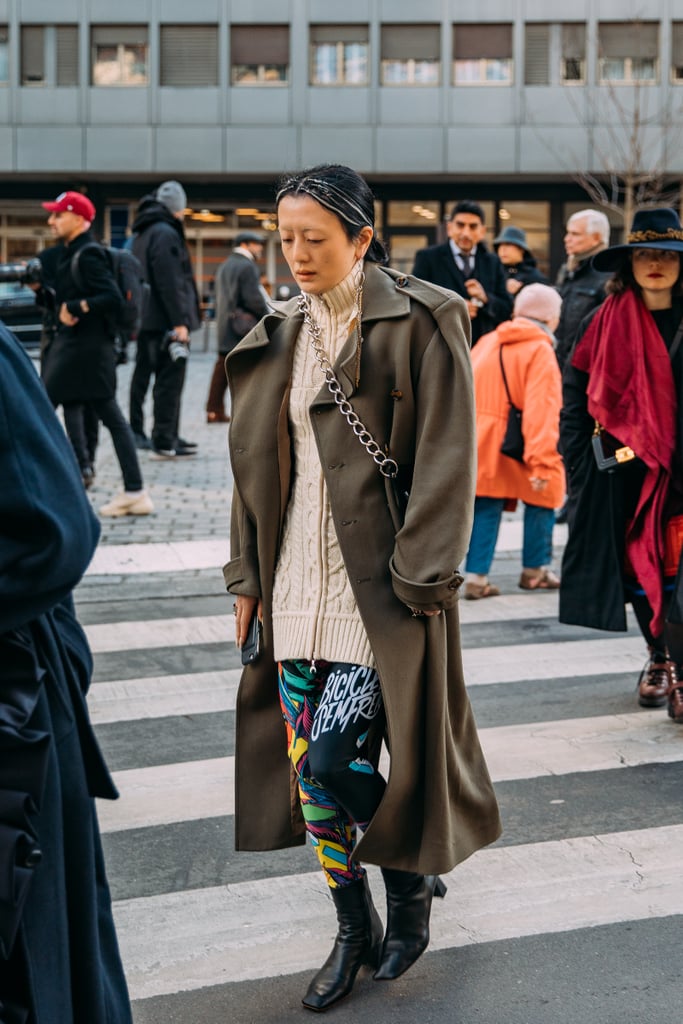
[[127, 272]]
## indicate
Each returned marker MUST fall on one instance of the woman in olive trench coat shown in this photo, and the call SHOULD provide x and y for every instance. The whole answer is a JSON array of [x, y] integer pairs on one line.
[[414, 394]]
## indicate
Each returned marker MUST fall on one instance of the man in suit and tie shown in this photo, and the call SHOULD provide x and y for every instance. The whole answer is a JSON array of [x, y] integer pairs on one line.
[[464, 265]]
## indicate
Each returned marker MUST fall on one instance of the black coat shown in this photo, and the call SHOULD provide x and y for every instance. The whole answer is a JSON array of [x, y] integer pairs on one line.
[[59, 961], [237, 285], [437, 265], [526, 272], [582, 291], [592, 589], [159, 243], [79, 363]]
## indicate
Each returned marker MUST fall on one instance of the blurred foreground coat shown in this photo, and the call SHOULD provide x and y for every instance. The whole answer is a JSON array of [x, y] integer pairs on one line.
[[536, 388], [415, 395], [59, 961]]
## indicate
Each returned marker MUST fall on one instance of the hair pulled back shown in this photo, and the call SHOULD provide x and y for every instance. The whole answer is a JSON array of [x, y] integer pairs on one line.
[[343, 192]]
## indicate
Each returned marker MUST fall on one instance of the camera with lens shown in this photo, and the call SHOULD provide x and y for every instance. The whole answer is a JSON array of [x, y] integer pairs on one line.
[[25, 273], [176, 349]]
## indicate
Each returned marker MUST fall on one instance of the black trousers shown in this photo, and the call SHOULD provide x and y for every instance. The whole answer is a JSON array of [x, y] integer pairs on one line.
[[90, 427], [152, 358], [108, 412]]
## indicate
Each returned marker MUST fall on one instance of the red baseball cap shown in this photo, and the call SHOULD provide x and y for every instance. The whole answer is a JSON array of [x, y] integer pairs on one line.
[[76, 202]]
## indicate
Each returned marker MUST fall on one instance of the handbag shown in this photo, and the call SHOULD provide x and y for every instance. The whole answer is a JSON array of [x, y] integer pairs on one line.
[[608, 452], [513, 441], [241, 321]]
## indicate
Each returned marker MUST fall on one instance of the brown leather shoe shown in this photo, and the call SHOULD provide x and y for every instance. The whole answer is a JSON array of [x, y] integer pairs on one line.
[[675, 701], [217, 417], [656, 681]]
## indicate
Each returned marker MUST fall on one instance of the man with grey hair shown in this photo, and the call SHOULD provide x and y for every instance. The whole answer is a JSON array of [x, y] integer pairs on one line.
[[582, 288], [172, 312]]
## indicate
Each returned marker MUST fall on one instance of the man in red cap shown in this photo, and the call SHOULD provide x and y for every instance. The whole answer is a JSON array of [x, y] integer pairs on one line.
[[78, 363]]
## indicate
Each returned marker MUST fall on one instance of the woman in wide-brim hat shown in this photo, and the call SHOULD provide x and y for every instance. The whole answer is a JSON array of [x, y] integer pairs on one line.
[[620, 435]]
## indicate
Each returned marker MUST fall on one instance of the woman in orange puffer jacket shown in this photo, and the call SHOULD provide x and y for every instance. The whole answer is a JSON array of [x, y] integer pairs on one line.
[[524, 345]]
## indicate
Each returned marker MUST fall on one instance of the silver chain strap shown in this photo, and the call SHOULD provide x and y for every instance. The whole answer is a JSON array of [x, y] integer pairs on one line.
[[387, 467]]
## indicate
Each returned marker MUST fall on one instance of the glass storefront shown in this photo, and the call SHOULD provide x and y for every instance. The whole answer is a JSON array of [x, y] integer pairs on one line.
[[404, 225]]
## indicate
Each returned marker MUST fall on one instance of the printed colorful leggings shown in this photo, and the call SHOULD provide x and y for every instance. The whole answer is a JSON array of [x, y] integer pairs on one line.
[[329, 710]]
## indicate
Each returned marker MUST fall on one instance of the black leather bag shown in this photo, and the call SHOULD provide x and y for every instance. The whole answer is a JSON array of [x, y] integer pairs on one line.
[[241, 322], [513, 441]]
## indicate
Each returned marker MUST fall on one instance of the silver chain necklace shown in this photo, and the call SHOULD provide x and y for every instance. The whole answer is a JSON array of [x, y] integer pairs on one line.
[[387, 467]]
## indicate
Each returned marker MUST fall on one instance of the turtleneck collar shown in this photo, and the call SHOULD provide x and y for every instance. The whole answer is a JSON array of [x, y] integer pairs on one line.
[[342, 298]]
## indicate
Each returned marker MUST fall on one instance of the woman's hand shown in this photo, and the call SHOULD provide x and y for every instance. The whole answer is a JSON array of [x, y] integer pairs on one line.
[[244, 609]]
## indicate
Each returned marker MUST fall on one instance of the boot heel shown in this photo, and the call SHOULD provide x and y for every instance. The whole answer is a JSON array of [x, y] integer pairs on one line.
[[440, 888]]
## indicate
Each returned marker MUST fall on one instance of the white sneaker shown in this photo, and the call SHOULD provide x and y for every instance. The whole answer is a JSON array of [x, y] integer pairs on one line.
[[137, 504]]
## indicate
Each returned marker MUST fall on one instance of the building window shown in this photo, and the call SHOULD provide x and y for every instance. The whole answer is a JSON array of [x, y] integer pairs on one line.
[[554, 53], [482, 54], [677, 51], [628, 52], [339, 55], [260, 54], [537, 54], [188, 55], [49, 55], [119, 55], [4, 55], [573, 44], [411, 54]]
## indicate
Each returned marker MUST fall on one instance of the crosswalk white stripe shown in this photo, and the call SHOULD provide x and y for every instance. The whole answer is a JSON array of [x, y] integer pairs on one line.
[[178, 556], [179, 632], [513, 662], [153, 633], [187, 791], [188, 940], [162, 696], [203, 692]]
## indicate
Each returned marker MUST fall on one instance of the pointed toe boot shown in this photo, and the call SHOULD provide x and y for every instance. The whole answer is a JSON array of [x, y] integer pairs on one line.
[[358, 943], [409, 904]]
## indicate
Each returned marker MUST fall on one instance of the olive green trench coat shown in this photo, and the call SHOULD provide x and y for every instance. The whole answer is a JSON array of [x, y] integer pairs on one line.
[[415, 396]]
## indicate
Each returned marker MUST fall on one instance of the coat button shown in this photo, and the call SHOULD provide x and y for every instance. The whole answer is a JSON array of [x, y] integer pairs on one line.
[[401, 282], [31, 857]]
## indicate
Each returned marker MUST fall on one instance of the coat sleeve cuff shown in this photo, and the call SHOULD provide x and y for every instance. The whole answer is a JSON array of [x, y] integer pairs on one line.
[[427, 597], [237, 582]]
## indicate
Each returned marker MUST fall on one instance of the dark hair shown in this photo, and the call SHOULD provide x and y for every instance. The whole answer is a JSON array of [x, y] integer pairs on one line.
[[344, 193], [623, 279], [468, 206]]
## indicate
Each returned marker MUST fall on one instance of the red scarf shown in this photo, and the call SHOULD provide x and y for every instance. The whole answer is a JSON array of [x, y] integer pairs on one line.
[[631, 393]]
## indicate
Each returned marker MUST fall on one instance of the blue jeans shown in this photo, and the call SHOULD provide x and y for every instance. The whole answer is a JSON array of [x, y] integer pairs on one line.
[[537, 544]]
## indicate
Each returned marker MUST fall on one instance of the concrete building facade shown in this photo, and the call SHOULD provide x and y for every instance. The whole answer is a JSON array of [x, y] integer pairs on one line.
[[505, 101]]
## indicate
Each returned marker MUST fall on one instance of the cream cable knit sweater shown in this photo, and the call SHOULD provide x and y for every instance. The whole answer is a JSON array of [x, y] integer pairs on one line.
[[315, 615]]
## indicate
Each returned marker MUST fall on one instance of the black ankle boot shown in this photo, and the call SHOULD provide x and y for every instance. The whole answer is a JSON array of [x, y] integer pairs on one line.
[[358, 942], [409, 903]]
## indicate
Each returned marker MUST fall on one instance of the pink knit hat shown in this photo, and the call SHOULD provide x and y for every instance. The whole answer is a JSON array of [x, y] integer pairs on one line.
[[538, 301]]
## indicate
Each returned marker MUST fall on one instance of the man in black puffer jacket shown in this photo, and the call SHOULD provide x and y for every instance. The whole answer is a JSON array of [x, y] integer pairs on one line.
[[581, 286], [173, 306]]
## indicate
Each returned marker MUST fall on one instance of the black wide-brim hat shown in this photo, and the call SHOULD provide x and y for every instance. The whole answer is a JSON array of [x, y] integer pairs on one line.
[[651, 229]]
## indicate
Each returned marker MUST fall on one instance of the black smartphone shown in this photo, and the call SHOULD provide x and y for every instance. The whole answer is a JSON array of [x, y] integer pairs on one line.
[[251, 648]]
